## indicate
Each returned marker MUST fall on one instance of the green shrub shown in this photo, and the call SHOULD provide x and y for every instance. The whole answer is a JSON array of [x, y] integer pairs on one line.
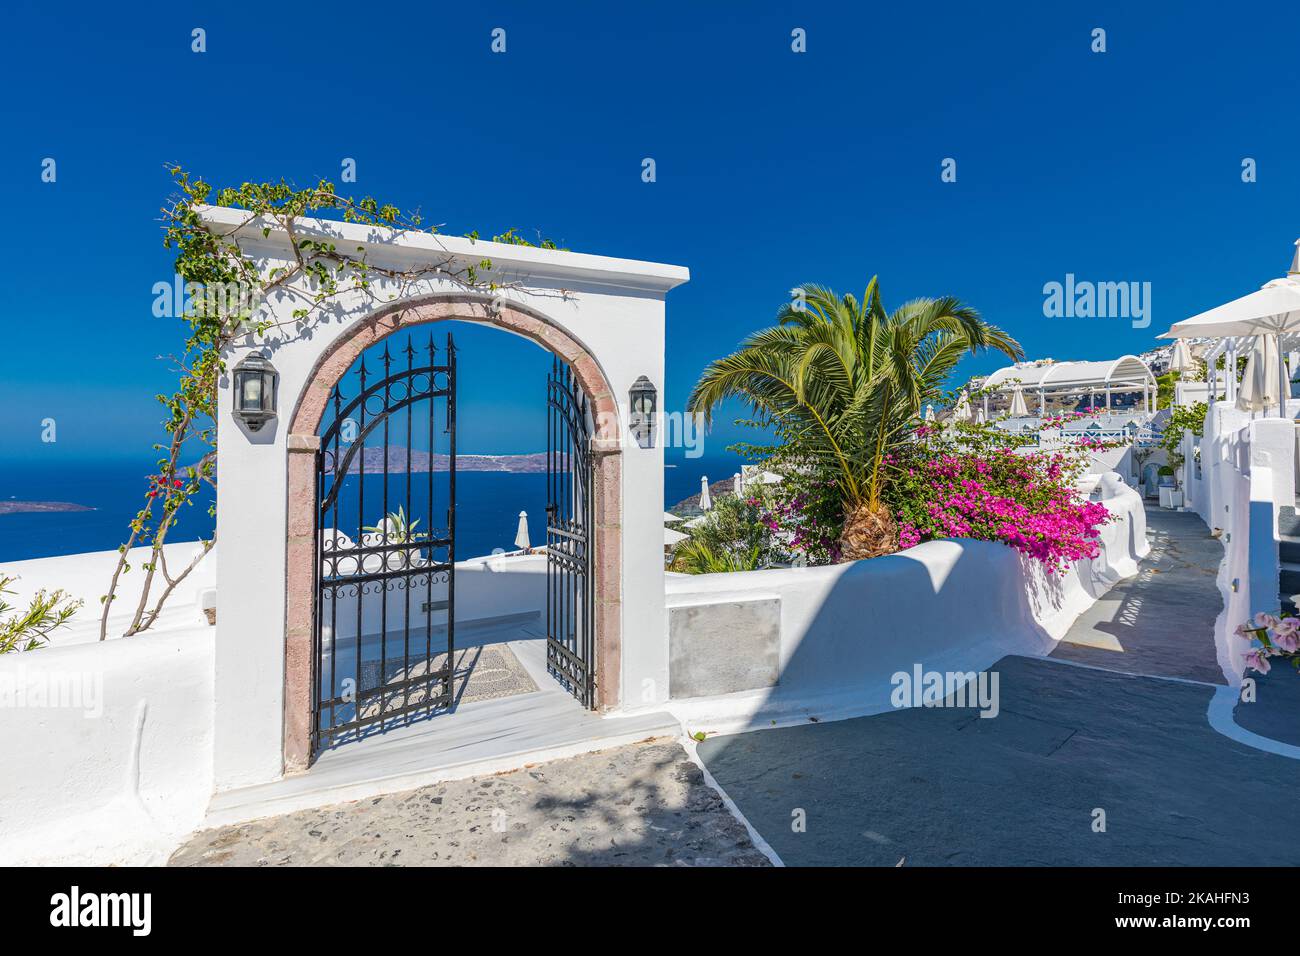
[[30, 629]]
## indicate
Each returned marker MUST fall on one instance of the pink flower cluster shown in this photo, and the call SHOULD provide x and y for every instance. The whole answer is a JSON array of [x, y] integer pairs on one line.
[[1064, 418], [1277, 637], [1025, 501], [795, 520]]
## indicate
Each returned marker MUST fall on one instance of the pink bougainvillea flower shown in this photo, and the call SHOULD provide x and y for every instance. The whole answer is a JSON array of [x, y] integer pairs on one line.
[[1258, 660], [1264, 619], [1288, 641]]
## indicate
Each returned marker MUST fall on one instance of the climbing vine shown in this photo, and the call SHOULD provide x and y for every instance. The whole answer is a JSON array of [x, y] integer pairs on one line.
[[1181, 418], [226, 293]]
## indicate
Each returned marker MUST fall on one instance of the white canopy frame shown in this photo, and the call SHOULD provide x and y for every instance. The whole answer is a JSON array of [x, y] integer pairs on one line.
[[1128, 373], [1231, 348]]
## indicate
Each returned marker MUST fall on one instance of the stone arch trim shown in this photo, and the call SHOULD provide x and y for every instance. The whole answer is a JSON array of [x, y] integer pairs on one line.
[[303, 443]]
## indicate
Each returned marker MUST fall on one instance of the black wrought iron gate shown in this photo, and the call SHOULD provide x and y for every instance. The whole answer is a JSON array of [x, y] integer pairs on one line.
[[570, 618], [385, 599]]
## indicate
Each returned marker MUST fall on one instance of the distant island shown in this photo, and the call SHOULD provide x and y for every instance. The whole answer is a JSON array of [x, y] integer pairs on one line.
[[12, 507], [371, 460]]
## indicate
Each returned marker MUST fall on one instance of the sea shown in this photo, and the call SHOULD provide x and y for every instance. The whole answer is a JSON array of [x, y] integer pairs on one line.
[[487, 505]]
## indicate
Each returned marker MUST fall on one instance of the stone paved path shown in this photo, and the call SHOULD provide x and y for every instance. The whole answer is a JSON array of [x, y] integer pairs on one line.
[[935, 786], [641, 805], [943, 787], [1160, 622]]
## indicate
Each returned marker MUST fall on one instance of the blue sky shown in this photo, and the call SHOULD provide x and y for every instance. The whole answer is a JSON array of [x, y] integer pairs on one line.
[[774, 168]]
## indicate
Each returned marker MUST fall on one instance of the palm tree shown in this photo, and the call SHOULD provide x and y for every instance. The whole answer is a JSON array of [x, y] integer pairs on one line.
[[843, 381]]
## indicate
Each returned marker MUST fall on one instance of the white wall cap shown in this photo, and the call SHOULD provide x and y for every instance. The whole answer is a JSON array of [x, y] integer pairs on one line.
[[506, 258]]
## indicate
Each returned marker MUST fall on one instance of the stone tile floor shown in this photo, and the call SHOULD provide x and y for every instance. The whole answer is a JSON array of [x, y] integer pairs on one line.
[[944, 787], [1159, 623], [645, 804]]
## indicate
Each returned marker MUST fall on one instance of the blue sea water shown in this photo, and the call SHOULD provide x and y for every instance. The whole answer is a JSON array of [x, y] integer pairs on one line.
[[487, 504]]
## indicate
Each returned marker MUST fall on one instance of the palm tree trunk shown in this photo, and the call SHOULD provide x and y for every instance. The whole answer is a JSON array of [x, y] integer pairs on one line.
[[869, 531]]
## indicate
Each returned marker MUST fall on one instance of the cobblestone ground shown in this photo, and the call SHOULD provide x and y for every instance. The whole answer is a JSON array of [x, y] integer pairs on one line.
[[641, 805]]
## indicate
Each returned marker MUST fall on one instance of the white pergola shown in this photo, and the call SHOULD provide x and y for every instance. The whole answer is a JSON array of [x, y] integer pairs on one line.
[[1127, 373], [1230, 349]]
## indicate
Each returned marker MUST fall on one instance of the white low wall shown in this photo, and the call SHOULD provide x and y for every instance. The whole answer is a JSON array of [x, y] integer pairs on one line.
[[86, 577], [956, 605], [106, 748], [486, 588], [1247, 473]]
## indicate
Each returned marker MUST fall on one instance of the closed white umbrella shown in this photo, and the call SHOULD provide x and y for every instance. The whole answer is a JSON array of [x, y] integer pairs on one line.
[[738, 484], [706, 502], [673, 537], [979, 416], [670, 518], [929, 413], [961, 412], [1261, 383], [1018, 407], [1181, 360], [521, 536]]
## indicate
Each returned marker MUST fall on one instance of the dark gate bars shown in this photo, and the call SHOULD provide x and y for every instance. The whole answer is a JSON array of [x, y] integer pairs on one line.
[[569, 527], [384, 561]]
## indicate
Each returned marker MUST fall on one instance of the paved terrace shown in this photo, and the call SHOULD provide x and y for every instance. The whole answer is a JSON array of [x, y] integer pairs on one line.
[[640, 805], [933, 786], [1161, 622]]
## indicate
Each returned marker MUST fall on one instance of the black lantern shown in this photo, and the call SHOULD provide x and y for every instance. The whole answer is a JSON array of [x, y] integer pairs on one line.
[[255, 387], [642, 420]]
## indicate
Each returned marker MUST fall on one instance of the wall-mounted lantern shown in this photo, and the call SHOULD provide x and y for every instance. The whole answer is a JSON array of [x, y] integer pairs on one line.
[[255, 387], [643, 399]]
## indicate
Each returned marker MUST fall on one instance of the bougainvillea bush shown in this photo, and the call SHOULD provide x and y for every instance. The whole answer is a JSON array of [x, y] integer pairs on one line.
[[1272, 639], [964, 484], [803, 516]]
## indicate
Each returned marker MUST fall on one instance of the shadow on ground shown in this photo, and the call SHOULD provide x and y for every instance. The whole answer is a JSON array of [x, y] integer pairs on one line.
[[641, 805], [1161, 621], [935, 786]]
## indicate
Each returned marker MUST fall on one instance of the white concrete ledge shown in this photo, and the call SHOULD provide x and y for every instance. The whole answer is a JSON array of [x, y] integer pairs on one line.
[[954, 605]]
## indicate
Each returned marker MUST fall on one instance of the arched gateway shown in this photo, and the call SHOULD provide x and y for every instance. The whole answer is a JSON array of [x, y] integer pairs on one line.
[[584, 545], [602, 320]]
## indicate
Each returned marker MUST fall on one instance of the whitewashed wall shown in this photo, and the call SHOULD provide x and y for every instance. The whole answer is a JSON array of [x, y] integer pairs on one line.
[[955, 605], [1247, 473], [614, 307], [86, 577], [106, 749], [114, 763]]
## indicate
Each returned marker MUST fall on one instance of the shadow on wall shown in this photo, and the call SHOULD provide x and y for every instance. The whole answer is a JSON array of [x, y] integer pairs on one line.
[[953, 606]]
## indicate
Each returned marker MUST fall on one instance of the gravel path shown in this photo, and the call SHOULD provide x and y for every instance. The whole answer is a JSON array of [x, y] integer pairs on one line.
[[641, 805]]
